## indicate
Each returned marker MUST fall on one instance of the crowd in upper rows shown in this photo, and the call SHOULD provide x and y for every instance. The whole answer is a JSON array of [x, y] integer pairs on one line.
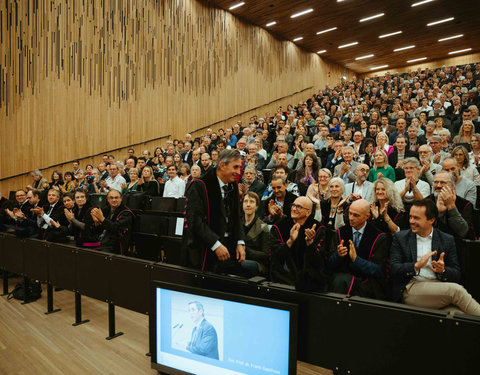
[[391, 141]]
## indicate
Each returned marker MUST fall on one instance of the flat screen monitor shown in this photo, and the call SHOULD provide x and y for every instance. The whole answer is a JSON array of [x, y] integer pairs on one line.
[[205, 332]]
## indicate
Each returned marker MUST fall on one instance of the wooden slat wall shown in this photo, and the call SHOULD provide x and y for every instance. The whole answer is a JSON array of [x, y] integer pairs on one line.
[[459, 60], [84, 76]]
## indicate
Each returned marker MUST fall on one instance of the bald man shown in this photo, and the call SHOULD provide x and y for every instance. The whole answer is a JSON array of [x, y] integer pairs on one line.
[[299, 248], [358, 256]]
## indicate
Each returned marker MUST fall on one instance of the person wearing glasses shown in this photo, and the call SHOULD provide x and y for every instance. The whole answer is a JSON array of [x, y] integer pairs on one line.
[[115, 222], [361, 187], [298, 248]]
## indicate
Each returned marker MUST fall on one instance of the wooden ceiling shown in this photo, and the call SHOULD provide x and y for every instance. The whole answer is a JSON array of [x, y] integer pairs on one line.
[[345, 16]]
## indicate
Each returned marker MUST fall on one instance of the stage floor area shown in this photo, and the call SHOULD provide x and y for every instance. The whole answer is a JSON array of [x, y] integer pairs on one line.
[[34, 343]]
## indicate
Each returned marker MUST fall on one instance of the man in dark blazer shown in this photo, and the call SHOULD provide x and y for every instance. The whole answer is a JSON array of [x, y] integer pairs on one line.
[[187, 153], [424, 264], [213, 236], [204, 340], [51, 218], [359, 255]]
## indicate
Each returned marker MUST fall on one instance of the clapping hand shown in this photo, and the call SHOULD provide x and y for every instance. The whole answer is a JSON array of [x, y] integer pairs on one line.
[[310, 235], [353, 252], [374, 210], [379, 175], [68, 214], [342, 250], [438, 266], [293, 234]]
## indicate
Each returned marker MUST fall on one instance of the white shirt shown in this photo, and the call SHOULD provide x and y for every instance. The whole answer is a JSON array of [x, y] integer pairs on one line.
[[115, 183], [174, 188], [423, 186], [424, 246]]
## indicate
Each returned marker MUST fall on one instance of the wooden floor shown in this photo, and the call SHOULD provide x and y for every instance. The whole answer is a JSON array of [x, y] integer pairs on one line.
[[34, 343]]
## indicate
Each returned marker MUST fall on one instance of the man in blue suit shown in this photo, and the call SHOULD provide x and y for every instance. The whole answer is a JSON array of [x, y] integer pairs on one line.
[[424, 264], [204, 339]]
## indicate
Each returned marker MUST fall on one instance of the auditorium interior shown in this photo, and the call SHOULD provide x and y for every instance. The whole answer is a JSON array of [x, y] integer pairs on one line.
[[318, 156]]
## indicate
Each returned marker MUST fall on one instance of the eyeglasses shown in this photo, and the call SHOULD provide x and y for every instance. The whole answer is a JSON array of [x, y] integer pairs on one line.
[[296, 206]]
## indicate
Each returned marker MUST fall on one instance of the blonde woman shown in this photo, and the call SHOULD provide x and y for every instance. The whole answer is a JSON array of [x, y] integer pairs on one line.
[[460, 154], [380, 167], [387, 210], [382, 143]]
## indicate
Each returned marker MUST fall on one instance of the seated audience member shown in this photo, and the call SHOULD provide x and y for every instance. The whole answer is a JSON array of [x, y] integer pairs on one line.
[[465, 133], [429, 168], [282, 148], [335, 158], [114, 223], [332, 208], [414, 141], [279, 203], [253, 151], [401, 130], [257, 242], [474, 155], [147, 182], [359, 255], [455, 214], [21, 208], [68, 184], [259, 143], [367, 156], [411, 187], [175, 186], [81, 223], [387, 210], [133, 184], [250, 183], [102, 168], [382, 144], [51, 219], [298, 249], [424, 265], [318, 191], [380, 167], [57, 179], [396, 158], [281, 171], [465, 168], [252, 161], [185, 172], [205, 163], [75, 167], [80, 181], [447, 145], [435, 142], [361, 187], [345, 169], [464, 187], [305, 176], [38, 181], [25, 224], [114, 180], [195, 158]]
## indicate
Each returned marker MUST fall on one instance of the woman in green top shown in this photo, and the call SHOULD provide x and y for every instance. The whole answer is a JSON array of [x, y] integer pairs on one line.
[[133, 184], [381, 168]]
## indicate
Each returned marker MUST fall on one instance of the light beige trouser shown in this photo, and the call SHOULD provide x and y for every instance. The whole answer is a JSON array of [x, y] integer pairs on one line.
[[437, 295]]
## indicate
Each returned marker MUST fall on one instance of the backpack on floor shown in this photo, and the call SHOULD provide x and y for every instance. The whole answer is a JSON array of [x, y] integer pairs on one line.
[[34, 291]]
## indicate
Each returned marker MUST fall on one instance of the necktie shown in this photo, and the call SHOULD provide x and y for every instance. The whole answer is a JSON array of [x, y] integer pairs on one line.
[[356, 239]]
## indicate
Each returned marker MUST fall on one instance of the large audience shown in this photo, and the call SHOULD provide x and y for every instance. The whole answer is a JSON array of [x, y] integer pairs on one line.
[[368, 149]]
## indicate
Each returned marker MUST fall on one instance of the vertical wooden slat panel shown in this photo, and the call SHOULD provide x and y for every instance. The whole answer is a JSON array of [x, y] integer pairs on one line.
[[106, 74]]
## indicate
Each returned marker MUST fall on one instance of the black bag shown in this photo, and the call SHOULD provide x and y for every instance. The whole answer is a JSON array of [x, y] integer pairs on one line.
[[34, 291]]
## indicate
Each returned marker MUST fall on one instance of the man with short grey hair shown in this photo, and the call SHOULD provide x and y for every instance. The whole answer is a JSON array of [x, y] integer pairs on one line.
[[361, 187], [411, 187], [345, 170], [213, 236]]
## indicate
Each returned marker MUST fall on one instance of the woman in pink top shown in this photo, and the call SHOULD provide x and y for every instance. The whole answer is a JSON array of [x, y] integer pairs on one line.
[[382, 143]]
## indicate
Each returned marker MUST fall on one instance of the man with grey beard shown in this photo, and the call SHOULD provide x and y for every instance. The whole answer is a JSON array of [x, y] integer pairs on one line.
[[360, 188], [429, 168], [455, 214], [465, 187]]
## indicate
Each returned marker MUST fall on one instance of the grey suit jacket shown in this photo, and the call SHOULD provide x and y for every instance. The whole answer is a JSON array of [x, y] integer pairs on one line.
[[351, 174], [367, 190]]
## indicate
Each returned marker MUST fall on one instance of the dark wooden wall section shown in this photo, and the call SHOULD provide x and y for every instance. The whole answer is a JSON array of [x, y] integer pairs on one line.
[[80, 77]]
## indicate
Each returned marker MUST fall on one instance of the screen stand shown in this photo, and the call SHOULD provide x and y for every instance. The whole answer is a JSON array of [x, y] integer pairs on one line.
[[5, 282], [78, 310], [50, 309], [111, 323]]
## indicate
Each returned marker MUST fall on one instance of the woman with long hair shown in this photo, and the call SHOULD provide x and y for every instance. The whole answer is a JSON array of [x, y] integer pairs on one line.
[[147, 182], [474, 155], [133, 184], [465, 133], [380, 167], [57, 179], [382, 143], [387, 210], [318, 190], [68, 183], [466, 170], [185, 172], [305, 176], [333, 207]]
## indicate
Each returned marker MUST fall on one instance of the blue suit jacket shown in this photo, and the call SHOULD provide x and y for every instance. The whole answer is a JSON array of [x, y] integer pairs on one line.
[[403, 256], [204, 341]]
